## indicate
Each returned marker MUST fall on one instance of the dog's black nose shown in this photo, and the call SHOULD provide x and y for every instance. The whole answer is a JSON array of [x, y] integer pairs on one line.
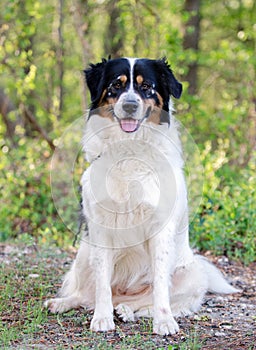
[[130, 107]]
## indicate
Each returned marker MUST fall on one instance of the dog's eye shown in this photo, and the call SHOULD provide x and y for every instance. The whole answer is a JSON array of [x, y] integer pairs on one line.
[[146, 86], [117, 85], [114, 87]]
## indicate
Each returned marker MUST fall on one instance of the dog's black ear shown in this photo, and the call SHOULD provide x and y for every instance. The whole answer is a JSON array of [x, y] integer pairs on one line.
[[93, 77], [168, 79]]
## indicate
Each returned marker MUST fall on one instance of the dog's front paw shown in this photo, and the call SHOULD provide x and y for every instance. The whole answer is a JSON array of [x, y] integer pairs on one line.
[[102, 324], [125, 313], [165, 326]]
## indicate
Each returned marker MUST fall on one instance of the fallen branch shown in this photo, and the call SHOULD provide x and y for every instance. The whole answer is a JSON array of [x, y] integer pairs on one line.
[[32, 120]]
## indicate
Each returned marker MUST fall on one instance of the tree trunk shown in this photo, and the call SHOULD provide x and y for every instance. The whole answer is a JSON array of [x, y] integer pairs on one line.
[[80, 12], [115, 34], [191, 41], [60, 57], [6, 106]]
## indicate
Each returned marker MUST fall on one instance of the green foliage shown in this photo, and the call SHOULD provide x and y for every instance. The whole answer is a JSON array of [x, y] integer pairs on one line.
[[27, 205], [29, 55], [220, 116], [225, 222]]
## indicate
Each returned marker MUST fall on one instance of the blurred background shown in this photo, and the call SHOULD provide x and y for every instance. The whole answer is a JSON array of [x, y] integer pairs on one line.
[[211, 46]]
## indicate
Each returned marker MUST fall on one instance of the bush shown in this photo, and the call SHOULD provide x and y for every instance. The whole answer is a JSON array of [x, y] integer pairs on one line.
[[27, 206], [225, 222]]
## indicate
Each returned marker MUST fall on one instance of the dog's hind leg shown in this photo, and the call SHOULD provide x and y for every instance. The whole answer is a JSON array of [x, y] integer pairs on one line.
[[191, 282], [60, 305], [125, 312], [134, 307], [78, 287], [189, 285]]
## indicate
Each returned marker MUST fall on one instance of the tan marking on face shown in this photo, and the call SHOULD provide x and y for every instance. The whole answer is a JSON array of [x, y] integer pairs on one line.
[[102, 97], [111, 100], [105, 107], [123, 79], [161, 101], [155, 115], [108, 101], [139, 79]]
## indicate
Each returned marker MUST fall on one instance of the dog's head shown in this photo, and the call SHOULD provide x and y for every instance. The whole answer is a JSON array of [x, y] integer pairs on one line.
[[132, 91]]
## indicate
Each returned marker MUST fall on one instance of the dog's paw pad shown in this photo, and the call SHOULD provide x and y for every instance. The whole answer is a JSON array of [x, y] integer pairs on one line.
[[103, 324], [166, 327], [125, 313]]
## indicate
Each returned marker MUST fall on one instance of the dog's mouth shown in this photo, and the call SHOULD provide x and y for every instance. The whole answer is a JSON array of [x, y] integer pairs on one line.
[[130, 124]]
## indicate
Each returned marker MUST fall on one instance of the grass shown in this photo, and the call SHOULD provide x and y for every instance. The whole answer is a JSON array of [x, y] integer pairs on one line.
[[28, 277], [21, 300]]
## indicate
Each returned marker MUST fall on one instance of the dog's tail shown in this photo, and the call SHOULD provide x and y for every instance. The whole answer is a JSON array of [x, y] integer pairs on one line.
[[216, 281]]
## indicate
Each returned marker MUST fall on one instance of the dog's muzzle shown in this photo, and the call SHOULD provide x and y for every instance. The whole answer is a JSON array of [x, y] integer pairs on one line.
[[129, 111], [130, 107], [131, 124]]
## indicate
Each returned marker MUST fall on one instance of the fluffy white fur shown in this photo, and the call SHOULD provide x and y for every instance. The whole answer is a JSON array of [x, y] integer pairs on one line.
[[136, 257]]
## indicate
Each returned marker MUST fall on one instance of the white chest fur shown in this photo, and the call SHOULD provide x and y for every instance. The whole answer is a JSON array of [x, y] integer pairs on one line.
[[135, 182]]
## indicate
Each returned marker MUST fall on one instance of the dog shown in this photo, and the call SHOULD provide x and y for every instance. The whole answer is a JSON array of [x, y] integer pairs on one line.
[[135, 259]]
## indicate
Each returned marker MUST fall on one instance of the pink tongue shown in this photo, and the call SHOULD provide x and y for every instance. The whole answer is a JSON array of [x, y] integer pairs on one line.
[[129, 125]]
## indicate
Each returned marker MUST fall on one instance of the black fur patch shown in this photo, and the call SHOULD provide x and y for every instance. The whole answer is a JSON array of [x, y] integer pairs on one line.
[[156, 73]]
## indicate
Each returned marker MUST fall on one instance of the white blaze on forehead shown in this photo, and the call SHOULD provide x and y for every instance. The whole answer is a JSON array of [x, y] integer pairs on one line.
[[129, 95], [132, 63]]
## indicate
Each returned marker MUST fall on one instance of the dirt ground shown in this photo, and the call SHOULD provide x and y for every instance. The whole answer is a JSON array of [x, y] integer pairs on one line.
[[228, 322], [224, 322]]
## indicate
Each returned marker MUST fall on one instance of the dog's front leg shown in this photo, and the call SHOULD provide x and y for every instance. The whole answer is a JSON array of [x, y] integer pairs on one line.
[[163, 262], [103, 315]]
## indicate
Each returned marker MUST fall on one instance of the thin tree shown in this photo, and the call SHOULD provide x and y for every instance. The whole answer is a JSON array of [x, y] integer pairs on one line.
[[60, 57], [115, 31], [191, 41], [81, 14]]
